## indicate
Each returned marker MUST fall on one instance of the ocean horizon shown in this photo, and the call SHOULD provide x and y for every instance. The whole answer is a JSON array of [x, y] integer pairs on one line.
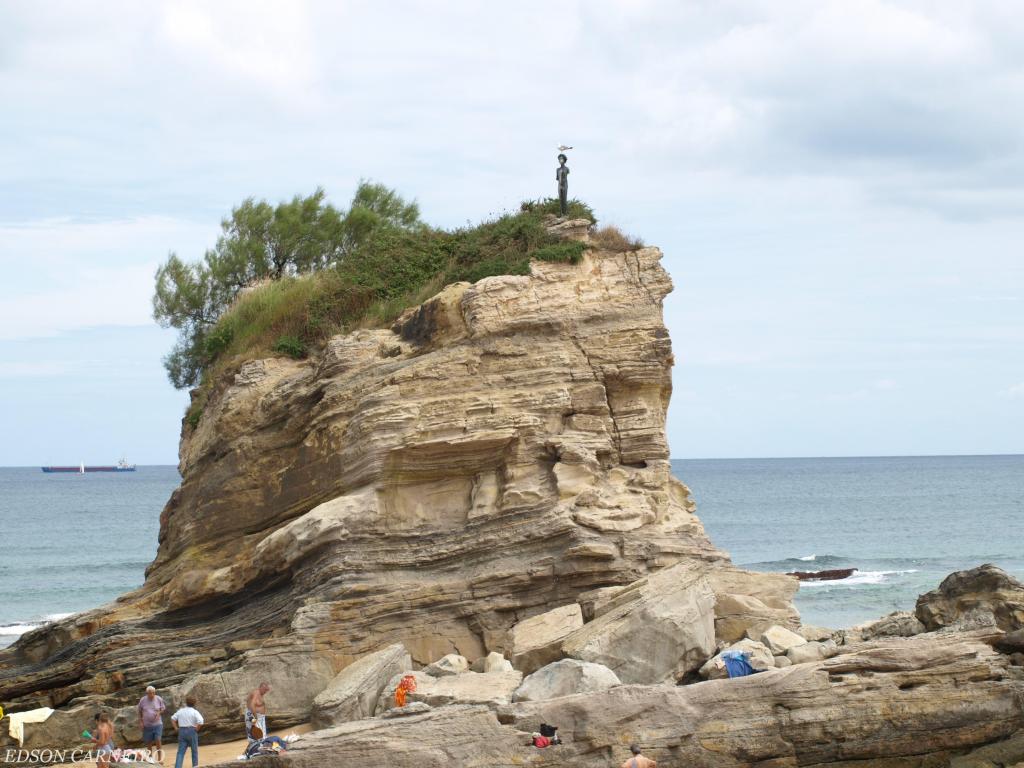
[[903, 522]]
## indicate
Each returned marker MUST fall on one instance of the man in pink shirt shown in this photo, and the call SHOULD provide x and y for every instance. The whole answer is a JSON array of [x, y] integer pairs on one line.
[[151, 721]]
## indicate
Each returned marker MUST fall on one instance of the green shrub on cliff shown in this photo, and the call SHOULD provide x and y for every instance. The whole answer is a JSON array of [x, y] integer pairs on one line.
[[260, 242], [284, 279]]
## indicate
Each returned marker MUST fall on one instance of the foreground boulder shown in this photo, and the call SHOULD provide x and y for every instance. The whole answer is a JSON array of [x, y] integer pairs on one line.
[[812, 651], [355, 693], [538, 640], [665, 630], [921, 702], [779, 640], [565, 678], [985, 594], [811, 633], [449, 664], [895, 624], [747, 603], [492, 662]]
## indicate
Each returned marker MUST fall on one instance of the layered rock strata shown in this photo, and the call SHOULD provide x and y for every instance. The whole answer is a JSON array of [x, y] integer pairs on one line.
[[937, 699], [495, 454], [482, 491]]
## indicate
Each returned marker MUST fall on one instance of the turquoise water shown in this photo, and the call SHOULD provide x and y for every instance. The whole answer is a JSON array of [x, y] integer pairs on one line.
[[72, 542]]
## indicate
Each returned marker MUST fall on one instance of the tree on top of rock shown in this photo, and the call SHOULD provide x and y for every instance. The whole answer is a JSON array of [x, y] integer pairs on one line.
[[261, 242]]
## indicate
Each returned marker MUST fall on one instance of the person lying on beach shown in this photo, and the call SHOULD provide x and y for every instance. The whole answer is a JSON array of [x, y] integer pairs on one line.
[[268, 745]]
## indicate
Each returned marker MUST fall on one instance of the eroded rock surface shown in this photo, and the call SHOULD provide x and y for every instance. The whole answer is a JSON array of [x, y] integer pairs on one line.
[[664, 632], [355, 693], [922, 702], [496, 454], [538, 640], [982, 595], [565, 678]]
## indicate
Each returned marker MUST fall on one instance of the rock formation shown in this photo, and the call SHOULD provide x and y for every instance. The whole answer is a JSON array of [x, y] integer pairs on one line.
[[356, 692], [985, 595], [484, 486], [932, 700], [495, 454]]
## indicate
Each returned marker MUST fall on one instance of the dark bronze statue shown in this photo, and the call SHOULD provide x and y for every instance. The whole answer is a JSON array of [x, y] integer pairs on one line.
[[562, 175]]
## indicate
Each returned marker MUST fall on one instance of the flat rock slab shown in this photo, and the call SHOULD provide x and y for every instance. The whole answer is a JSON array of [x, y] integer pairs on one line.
[[491, 689], [355, 692], [779, 639], [537, 641], [565, 678], [665, 631]]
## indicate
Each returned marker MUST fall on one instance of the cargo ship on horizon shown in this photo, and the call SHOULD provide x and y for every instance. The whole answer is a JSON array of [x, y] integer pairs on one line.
[[81, 469]]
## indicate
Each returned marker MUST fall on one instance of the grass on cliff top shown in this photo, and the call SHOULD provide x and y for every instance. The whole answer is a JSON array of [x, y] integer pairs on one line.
[[396, 269]]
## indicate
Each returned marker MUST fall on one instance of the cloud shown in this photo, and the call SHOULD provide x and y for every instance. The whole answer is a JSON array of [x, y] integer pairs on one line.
[[838, 187], [85, 272], [910, 105], [866, 392], [33, 369], [1015, 391], [265, 45]]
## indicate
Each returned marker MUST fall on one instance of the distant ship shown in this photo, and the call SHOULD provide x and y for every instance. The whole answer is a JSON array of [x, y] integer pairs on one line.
[[81, 469]]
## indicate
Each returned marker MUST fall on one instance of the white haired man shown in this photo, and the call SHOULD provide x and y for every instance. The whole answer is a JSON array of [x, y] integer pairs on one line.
[[151, 721]]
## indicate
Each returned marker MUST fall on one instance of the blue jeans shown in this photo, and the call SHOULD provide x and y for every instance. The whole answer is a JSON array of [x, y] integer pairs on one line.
[[187, 737]]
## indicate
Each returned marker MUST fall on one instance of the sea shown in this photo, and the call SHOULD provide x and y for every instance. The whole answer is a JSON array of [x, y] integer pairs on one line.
[[73, 542]]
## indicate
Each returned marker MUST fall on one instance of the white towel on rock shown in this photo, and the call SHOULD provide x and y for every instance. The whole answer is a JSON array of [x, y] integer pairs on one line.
[[18, 720]]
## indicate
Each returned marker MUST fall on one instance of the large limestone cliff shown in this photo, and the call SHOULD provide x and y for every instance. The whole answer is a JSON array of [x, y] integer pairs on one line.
[[487, 482], [498, 453]]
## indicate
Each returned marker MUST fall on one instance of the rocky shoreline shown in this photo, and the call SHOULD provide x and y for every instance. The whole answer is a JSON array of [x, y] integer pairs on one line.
[[480, 497]]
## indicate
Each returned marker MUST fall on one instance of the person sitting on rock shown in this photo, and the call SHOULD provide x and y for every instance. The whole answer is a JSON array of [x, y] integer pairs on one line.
[[638, 760]]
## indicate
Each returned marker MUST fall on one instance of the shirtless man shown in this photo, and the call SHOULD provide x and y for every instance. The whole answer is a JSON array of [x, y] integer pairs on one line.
[[638, 760], [104, 739], [256, 712]]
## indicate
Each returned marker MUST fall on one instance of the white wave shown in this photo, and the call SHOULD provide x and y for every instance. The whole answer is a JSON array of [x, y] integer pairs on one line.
[[808, 558], [858, 578], [19, 628]]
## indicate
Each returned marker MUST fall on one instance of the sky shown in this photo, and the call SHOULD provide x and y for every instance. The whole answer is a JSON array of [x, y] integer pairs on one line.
[[838, 189]]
